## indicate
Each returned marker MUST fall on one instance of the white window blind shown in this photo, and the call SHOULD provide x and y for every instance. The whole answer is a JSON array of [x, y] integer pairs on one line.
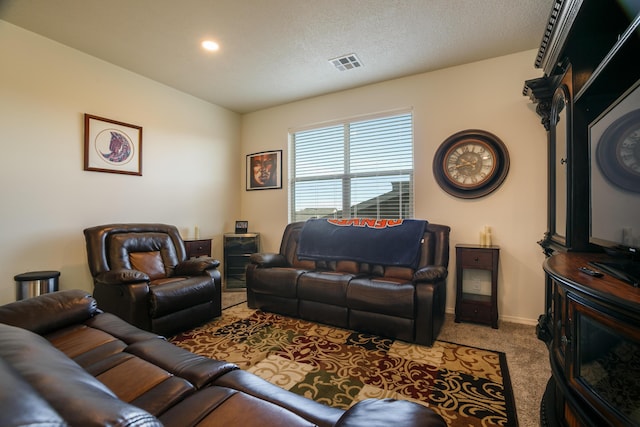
[[353, 169]]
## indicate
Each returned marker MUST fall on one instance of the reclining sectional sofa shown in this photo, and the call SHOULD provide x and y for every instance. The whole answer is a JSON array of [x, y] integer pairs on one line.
[[63, 362], [406, 303]]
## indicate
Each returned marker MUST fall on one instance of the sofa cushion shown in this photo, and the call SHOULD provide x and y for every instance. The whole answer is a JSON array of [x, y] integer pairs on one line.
[[198, 370], [80, 339], [149, 372], [282, 282], [320, 414], [148, 262], [384, 295], [164, 396], [85, 401], [303, 264], [348, 267], [179, 294], [403, 273], [122, 245], [130, 377], [218, 406], [113, 325], [329, 287]]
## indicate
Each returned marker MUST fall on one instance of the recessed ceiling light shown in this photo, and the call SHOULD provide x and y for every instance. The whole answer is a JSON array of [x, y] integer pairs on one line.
[[210, 45]]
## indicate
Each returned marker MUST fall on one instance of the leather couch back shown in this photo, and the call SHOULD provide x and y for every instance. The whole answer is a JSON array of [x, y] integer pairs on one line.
[[49, 312], [151, 253], [434, 252], [54, 390], [106, 250]]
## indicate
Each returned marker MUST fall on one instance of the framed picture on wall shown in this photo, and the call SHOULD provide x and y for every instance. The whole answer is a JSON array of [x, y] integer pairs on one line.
[[112, 146], [264, 170]]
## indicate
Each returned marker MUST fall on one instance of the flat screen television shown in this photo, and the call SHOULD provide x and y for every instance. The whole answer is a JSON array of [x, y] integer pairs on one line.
[[614, 148]]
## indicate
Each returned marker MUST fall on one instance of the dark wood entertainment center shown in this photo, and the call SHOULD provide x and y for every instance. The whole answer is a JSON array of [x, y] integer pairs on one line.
[[591, 325]]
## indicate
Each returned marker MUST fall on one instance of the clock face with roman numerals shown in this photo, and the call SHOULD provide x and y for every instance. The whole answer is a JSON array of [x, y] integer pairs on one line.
[[629, 152], [471, 164], [618, 152]]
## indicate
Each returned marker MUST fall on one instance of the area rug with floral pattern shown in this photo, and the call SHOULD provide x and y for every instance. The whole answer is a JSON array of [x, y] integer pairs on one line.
[[467, 386]]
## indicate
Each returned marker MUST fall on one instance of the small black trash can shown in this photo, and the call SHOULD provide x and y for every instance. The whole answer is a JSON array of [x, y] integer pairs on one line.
[[36, 283]]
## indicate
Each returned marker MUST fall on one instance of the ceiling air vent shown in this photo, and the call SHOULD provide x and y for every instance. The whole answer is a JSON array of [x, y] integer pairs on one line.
[[346, 62]]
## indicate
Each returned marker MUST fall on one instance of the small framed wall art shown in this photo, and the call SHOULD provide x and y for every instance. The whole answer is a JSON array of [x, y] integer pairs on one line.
[[112, 146], [264, 170]]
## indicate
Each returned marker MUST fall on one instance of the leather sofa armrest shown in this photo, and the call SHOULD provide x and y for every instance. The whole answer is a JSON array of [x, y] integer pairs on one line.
[[120, 277], [389, 412], [198, 370], [196, 266], [49, 312], [430, 274], [267, 260], [317, 413]]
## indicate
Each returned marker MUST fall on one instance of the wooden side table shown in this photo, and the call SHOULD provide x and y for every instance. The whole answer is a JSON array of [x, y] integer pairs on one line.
[[477, 284], [198, 248]]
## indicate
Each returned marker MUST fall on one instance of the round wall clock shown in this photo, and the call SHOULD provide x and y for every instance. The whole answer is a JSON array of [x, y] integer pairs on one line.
[[618, 152], [471, 164]]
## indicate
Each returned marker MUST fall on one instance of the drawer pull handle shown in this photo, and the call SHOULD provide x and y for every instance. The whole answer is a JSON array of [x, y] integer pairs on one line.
[[476, 259]]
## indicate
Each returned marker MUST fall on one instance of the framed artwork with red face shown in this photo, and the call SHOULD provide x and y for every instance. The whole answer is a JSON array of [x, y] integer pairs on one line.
[[264, 170]]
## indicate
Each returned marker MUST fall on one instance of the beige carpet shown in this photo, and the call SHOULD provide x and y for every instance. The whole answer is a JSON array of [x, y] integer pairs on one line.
[[527, 357], [231, 298]]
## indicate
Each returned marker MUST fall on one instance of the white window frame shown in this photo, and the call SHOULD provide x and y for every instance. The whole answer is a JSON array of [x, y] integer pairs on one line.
[[346, 176]]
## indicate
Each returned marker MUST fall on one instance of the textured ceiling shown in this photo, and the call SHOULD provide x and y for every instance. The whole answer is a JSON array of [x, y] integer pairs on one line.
[[277, 51]]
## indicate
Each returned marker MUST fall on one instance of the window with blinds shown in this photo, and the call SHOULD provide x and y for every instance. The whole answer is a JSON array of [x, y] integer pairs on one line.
[[353, 169]]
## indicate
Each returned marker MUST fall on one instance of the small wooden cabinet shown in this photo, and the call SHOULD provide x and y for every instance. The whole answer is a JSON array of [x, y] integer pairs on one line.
[[477, 284], [594, 348], [237, 250], [197, 248]]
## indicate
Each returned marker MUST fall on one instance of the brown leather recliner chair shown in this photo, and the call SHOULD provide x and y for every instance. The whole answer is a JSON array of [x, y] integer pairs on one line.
[[141, 274]]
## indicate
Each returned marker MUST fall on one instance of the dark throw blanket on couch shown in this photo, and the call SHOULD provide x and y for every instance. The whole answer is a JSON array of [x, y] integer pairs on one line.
[[382, 241]]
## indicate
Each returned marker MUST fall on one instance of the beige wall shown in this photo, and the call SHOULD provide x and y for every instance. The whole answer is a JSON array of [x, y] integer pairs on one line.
[[484, 95], [189, 151], [193, 166]]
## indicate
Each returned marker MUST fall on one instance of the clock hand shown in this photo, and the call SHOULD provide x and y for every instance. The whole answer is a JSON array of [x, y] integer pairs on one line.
[[465, 163]]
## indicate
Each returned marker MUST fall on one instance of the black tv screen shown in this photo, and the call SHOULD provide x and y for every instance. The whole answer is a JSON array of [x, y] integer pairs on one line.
[[614, 139]]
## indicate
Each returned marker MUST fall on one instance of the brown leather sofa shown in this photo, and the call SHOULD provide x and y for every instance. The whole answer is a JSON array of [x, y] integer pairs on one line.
[[141, 274], [63, 362], [398, 302]]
